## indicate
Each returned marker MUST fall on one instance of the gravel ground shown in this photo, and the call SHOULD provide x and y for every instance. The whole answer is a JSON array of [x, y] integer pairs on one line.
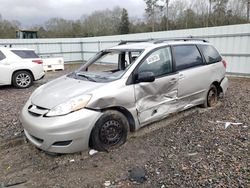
[[188, 149]]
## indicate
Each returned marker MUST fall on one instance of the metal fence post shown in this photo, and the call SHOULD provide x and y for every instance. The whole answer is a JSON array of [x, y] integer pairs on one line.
[[99, 46], [82, 52], [38, 48], [61, 48]]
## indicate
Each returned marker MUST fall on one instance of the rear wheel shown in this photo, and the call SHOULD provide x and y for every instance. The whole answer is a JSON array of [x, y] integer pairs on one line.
[[110, 131], [22, 79], [212, 97]]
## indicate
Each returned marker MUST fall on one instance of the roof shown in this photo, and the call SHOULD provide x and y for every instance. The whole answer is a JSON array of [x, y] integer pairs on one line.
[[135, 46], [27, 30], [153, 43]]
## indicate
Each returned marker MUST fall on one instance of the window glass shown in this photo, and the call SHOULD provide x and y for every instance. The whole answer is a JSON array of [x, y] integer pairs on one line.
[[2, 56], [186, 56], [108, 62], [134, 56], [210, 53], [159, 62], [107, 66], [25, 54]]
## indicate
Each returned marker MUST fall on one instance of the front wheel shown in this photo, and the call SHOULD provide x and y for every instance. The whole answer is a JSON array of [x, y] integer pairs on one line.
[[22, 79], [110, 131]]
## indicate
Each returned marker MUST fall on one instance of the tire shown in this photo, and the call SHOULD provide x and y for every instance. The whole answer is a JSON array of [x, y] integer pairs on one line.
[[212, 97], [110, 131], [22, 79]]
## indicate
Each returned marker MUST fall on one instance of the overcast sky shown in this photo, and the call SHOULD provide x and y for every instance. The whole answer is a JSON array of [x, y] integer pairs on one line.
[[33, 12]]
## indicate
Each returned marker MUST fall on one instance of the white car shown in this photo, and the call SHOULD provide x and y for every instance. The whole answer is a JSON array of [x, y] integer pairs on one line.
[[20, 67]]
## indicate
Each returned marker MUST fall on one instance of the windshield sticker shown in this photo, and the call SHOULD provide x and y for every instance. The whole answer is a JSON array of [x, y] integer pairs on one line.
[[153, 59]]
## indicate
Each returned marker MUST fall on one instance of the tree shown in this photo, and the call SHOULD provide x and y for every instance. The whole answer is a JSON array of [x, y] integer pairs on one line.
[[103, 22], [8, 28], [138, 25], [124, 24], [219, 12], [151, 12], [59, 28]]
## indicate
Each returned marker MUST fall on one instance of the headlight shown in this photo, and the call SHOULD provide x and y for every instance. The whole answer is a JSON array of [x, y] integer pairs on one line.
[[70, 106]]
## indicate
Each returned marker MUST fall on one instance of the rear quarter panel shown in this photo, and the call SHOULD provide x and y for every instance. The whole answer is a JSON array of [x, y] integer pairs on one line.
[[217, 71], [36, 69]]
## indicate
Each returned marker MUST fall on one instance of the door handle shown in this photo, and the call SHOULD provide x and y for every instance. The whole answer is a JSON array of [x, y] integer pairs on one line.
[[181, 76], [173, 80]]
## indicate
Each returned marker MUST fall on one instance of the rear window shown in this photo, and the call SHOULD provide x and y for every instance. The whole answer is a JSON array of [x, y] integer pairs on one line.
[[2, 56], [211, 55], [186, 56], [25, 54]]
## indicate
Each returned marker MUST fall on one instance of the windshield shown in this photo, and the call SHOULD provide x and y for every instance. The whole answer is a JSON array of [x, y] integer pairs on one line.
[[107, 66]]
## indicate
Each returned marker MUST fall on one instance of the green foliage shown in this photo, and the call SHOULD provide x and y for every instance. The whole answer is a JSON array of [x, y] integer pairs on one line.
[[124, 24], [180, 14], [103, 22], [7, 28], [152, 9]]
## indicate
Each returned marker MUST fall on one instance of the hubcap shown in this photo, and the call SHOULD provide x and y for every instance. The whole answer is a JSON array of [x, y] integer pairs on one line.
[[23, 80], [111, 132]]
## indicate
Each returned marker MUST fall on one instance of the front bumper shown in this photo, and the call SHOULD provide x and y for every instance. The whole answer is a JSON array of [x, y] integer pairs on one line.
[[62, 134]]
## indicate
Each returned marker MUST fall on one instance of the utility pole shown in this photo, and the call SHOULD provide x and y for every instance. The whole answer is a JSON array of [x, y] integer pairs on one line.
[[153, 19], [167, 4], [209, 12], [248, 10]]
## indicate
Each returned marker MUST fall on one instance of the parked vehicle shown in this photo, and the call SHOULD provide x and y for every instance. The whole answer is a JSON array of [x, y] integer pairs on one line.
[[19, 67], [120, 90]]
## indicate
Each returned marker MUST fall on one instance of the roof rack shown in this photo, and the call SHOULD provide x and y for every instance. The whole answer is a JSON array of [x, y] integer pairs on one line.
[[179, 39], [134, 41], [161, 40]]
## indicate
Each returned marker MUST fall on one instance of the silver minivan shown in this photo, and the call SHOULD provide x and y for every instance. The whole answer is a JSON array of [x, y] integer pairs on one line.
[[120, 90]]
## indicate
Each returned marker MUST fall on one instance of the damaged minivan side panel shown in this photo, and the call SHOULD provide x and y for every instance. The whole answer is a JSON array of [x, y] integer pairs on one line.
[[156, 99]]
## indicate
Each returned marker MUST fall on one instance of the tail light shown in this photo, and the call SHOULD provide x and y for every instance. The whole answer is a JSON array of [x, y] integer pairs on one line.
[[39, 61], [224, 63]]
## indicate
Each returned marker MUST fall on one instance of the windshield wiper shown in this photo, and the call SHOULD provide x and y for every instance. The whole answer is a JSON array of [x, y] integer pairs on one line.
[[85, 76], [101, 77]]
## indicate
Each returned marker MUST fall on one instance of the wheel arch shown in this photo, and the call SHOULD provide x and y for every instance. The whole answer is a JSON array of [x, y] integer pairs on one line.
[[33, 78], [126, 113], [217, 85]]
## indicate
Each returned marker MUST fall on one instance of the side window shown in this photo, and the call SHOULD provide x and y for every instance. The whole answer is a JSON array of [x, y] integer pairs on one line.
[[26, 54], [159, 62], [186, 56], [2, 56], [210, 53]]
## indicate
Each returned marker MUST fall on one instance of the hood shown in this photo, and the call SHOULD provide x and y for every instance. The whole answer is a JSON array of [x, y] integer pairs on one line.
[[61, 90]]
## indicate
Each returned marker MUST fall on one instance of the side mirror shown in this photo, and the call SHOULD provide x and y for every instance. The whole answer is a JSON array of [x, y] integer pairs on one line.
[[145, 77]]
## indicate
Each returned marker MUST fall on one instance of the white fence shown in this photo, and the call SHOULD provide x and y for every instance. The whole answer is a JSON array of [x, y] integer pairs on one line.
[[233, 42]]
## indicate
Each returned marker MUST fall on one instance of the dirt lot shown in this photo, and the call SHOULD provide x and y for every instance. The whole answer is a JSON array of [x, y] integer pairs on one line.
[[188, 149]]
